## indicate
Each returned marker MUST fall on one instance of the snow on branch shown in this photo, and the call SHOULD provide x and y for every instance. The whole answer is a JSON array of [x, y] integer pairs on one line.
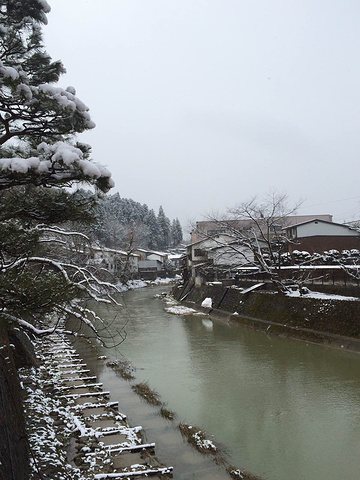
[[87, 281], [61, 231], [28, 326], [57, 164]]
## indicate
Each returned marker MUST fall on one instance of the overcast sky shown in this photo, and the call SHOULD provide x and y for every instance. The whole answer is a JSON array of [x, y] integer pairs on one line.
[[201, 104]]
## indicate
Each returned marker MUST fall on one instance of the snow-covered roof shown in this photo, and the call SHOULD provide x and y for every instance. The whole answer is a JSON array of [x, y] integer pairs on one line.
[[112, 250], [210, 237], [161, 254]]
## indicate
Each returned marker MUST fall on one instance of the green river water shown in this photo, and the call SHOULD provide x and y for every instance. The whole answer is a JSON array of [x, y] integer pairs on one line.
[[281, 409]]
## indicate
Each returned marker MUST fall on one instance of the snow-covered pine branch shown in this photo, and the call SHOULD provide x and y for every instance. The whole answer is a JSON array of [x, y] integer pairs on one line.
[[42, 266], [60, 164]]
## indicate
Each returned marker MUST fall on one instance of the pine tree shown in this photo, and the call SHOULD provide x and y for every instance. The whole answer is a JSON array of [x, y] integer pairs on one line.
[[37, 117], [164, 229], [176, 233], [152, 223], [38, 122]]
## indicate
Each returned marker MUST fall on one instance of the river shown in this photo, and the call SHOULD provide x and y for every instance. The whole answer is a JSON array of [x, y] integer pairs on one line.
[[281, 409]]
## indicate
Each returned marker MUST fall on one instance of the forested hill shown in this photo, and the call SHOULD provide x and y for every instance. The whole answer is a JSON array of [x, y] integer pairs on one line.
[[126, 224]]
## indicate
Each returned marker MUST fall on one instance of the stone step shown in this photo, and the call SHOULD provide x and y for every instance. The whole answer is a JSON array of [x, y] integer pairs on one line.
[[86, 394], [82, 385], [137, 473], [120, 448]]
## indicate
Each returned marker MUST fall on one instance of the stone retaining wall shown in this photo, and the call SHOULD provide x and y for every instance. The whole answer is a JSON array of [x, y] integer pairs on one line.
[[14, 455], [319, 320]]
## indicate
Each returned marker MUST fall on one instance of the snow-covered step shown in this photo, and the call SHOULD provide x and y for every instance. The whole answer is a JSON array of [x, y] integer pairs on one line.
[[71, 365], [77, 379], [84, 385], [112, 405], [62, 356], [64, 350], [134, 448], [87, 394], [112, 430], [83, 370], [135, 473]]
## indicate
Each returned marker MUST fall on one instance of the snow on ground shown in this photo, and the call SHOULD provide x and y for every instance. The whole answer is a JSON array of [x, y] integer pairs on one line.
[[133, 284], [181, 310], [322, 296], [48, 447], [55, 420], [176, 309]]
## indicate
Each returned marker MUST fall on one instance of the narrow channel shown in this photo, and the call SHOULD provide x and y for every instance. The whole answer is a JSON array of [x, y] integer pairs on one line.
[[280, 408]]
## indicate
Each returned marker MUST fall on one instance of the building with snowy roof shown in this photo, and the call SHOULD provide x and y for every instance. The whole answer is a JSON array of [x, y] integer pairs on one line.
[[113, 260], [318, 235]]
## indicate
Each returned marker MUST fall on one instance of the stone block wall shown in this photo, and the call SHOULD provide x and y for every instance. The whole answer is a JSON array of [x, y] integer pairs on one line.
[[330, 316], [14, 455]]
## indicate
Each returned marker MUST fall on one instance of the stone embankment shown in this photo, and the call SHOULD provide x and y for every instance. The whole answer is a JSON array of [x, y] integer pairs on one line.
[[325, 320], [75, 431]]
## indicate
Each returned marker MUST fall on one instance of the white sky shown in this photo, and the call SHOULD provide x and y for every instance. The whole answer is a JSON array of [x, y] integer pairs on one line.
[[201, 104]]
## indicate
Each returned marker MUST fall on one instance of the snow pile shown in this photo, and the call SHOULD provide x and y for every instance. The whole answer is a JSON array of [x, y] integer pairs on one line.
[[164, 281], [133, 284], [204, 443], [176, 309], [181, 310], [207, 303]]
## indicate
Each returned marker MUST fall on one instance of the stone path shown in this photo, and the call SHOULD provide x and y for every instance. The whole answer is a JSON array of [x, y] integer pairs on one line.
[[102, 444]]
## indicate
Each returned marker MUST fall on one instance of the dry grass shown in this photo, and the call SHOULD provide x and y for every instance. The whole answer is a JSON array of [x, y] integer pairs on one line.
[[196, 437], [168, 414], [151, 396], [123, 368], [237, 474]]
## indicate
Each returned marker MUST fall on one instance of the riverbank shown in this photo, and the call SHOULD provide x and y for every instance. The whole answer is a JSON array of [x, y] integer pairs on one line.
[[276, 406], [331, 320], [74, 430], [191, 452]]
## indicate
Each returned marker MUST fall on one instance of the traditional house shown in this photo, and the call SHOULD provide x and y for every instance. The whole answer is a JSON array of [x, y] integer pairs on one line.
[[210, 228], [176, 260], [219, 252], [115, 261], [152, 264], [318, 236]]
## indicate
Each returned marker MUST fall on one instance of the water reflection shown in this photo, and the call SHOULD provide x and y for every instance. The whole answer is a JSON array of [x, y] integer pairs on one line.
[[283, 409]]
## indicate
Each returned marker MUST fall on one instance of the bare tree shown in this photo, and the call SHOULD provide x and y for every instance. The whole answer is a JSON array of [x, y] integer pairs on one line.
[[252, 233]]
